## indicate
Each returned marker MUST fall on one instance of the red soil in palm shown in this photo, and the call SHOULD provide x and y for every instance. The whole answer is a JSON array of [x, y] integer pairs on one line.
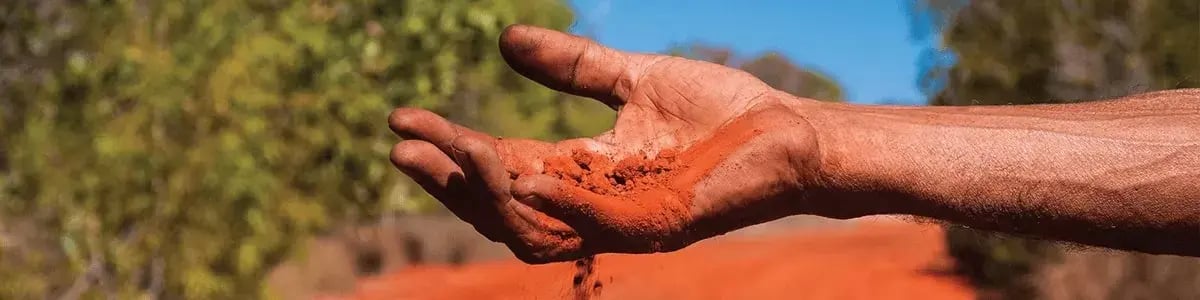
[[868, 261], [600, 175]]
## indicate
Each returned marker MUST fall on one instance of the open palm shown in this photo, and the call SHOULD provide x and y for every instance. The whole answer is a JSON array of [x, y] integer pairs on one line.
[[724, 121]]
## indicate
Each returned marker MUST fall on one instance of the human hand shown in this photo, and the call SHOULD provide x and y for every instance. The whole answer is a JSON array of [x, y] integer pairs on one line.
[[698, 149]]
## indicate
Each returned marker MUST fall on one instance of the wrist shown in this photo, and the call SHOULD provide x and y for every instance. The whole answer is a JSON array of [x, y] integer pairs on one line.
[[853, 170]]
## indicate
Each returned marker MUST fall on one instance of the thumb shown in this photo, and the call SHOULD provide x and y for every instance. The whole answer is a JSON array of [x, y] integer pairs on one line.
[[570, 63], [559, 199]]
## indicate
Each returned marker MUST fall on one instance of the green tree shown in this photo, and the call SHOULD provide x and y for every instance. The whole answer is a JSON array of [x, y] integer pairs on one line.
[[1020, 52], [995, 52], [178, 149], [772, 67], [779, 72]]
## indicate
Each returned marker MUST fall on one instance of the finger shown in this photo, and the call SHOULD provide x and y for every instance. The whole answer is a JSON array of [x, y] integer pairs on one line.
[[570, 63], [554, 241], [439, 176], [560, 200], [413, 123], [523, 156], [483, 167], [426, 165], [490, 182], [583, 144]]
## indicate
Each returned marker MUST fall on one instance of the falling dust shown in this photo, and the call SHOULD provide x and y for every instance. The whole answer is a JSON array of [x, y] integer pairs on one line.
[[668, 174], [625, 179], [586, 283], [599, 175]]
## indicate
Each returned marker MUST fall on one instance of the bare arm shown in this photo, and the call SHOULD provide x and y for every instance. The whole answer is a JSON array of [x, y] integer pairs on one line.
[[1122, 173], [700, 149]]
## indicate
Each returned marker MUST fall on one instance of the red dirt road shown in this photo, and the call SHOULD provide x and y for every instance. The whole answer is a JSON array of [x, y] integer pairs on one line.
[[868, 261]]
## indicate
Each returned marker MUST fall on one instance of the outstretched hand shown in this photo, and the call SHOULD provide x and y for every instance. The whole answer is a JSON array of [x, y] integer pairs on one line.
[[717, 150]]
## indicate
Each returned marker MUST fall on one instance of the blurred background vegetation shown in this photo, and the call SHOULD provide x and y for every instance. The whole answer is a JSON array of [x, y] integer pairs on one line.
[[181, 149], [990, 52]]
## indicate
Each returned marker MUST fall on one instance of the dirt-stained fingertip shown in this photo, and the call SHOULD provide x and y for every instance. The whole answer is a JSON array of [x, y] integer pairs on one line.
[[511, 33], [522, 39], [411, 153], [405, 120]]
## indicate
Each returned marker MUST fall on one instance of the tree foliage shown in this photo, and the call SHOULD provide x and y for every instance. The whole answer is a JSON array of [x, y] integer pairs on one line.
[[998, 52], [180, 148], [773, 68], [1020, 52]]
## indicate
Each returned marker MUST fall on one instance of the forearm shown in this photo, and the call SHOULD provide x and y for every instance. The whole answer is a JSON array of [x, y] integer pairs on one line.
[[1122, 173]]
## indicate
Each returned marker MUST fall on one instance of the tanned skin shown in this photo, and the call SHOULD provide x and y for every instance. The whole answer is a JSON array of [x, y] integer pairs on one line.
[[1122, 173]]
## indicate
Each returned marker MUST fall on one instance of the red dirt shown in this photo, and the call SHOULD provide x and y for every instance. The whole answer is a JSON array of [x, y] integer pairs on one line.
[[628, 180], [676, 169], [667, 179], [600, 175], [869, 261]]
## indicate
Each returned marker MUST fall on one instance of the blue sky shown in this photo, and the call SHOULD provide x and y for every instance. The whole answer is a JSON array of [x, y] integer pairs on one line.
[[863, 44]]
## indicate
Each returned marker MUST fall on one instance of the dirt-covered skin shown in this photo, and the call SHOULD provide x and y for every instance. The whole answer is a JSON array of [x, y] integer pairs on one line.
[[723, 122], [699, 149]]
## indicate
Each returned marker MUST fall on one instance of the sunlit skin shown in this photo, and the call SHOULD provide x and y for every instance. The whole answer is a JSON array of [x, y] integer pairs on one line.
[[1123, 173]]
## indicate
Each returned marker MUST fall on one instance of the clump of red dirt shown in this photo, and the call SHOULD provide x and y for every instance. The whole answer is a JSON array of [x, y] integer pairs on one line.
[[669, 174], [624, 180], [675, 170], [600, 175]]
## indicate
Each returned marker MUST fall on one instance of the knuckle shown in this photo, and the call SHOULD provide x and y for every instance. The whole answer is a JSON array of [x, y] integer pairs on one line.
[[639, 67], [581, 65], [470, 144], [524, 187]]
